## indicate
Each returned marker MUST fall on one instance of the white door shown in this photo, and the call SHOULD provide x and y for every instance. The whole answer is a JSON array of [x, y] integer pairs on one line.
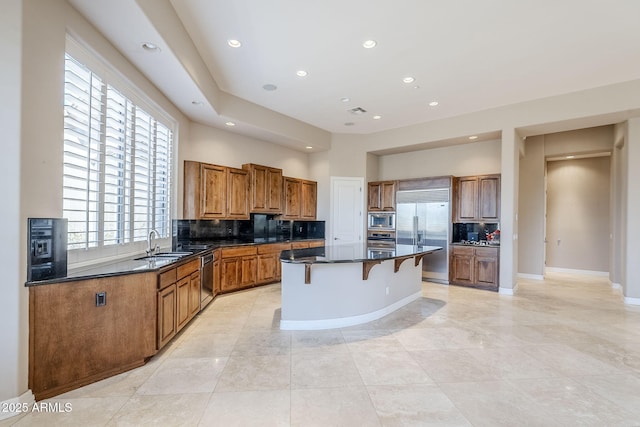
[[347, 203]]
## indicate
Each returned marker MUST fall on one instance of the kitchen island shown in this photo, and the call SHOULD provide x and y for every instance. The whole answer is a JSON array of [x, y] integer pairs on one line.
[[343, 285]]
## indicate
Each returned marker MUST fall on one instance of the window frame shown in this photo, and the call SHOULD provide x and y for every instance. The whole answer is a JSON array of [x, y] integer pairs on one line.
[[112, 80]]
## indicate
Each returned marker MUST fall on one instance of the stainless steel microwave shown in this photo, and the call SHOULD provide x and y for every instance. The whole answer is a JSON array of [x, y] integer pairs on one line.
[[382, 221]]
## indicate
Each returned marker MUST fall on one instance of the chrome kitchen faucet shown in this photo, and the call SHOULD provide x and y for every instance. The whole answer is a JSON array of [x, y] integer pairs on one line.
[[155, 249]]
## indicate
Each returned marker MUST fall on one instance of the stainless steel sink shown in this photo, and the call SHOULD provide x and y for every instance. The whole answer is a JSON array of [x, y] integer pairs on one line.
[[164, 256], [174, 254], [157, 258]]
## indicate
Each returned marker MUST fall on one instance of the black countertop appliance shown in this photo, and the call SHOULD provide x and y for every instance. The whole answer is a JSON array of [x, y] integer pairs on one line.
[[47, 258]]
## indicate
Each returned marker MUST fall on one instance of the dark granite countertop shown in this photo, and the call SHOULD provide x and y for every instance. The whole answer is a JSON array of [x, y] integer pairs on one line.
[[133, 266], [358, 252], [477, 245]]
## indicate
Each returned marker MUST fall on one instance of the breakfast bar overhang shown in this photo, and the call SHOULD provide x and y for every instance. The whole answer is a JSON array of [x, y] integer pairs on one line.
[[343, 285]]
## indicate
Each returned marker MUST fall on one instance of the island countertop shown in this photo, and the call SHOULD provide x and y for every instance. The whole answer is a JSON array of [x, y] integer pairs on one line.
[[356, 252]]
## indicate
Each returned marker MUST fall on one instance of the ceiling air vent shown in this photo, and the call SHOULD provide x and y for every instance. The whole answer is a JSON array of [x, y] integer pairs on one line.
[[357, 110]]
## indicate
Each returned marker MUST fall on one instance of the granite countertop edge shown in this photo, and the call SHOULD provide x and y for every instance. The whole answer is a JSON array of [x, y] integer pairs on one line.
[[318, 255], [132, 266]]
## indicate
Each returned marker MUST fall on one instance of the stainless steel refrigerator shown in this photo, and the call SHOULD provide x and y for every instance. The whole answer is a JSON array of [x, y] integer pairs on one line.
[[423, 217]]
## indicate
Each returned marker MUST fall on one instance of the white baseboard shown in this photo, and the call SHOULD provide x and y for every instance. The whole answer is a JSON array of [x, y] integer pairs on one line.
[[574, 271], [632, 301], [343, 322], [531, 276], [508, 291], [14, 405]]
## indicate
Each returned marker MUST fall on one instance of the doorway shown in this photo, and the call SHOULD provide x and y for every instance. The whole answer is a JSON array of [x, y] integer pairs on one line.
[[578, 215], [347, 203]]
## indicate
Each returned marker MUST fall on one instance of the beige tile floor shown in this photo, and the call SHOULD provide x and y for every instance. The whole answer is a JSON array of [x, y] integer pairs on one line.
[[562, 352]]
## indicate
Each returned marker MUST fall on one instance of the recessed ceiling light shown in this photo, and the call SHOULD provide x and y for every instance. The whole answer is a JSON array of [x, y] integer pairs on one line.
[[308, 147], [270, 87], [416, 87], [433, 103], [234, 43], [369, 44], [570, 157], [301, 73], [408, 80], [345, 99], [349, 124], [377, 117], [473, 137], [150, 47], [230, 123]]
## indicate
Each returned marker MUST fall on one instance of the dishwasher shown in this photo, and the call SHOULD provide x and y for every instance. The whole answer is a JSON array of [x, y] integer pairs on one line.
[[206, 279]]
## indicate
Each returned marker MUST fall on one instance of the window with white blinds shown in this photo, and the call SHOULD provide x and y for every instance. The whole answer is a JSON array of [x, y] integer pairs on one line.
[[117, 164]]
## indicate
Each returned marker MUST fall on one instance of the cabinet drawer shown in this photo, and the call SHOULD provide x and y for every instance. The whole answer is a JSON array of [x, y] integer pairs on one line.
[[274, 247], [463, 250], [487, 252], [238, 251], [300, 245], [167, 278], [188, 268]]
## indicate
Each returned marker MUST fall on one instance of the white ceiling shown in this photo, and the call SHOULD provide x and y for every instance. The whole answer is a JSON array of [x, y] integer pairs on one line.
[[468, 55]]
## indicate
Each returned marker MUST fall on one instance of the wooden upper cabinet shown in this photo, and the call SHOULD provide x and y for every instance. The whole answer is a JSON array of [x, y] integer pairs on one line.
[[238, 193], [221, 192], [265, 188], [205, 191], [309, 199], [213, 191], [300, 198], [477, 198], [292, 198], [489, 198], [382, 196], [467, 199]]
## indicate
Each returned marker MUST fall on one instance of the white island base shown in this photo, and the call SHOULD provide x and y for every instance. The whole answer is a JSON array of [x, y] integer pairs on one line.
[[338, 295]]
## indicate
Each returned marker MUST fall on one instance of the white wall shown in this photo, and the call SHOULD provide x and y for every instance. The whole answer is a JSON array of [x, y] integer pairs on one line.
[[631, 267], [531, 208], [578, 214], [319, 171], [13, 304], [459, 160]]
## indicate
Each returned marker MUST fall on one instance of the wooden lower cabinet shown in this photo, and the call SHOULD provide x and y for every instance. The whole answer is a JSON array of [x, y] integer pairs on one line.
[[475, 266], [462, 265], [486, 267], [167, 321], [246, 266], [238, 268], [269, 267], [248, 270], [183, 288], [178, 299], [75, 339]]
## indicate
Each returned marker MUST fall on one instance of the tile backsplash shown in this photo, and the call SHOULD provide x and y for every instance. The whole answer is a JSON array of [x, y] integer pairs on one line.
[[461, 230], [260, 226]]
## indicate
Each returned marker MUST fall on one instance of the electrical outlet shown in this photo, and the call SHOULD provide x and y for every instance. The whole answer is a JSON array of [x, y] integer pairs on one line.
[[101, 299]]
